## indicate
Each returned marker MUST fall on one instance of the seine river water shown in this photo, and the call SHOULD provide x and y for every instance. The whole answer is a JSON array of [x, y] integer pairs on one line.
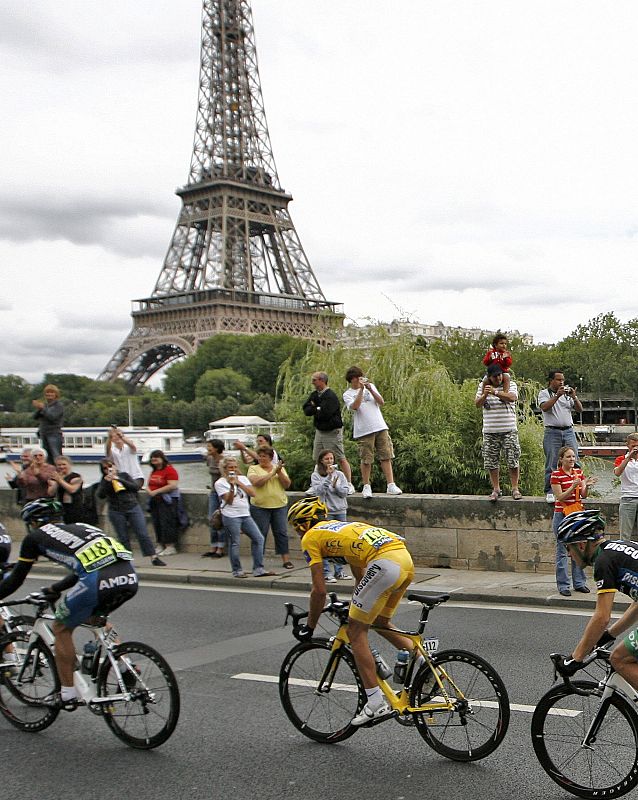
[[195, 476]]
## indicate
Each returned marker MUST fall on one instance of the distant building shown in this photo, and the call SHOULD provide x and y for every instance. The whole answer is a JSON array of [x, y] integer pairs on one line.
[[358, 335]]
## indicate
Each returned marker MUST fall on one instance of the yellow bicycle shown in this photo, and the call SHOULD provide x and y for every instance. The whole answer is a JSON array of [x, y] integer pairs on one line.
[[456, 700]]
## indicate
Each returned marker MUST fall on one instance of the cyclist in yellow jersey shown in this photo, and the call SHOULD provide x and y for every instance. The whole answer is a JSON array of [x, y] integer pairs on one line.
[[383, 569]]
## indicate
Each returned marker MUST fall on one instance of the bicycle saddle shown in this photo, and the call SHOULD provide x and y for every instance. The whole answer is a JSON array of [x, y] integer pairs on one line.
[[429, 600]]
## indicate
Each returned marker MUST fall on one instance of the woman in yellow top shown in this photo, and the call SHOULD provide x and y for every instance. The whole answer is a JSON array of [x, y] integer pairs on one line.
[[269, 506]]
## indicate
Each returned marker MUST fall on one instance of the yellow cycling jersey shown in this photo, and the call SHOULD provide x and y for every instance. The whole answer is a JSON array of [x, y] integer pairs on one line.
[[355, 542]]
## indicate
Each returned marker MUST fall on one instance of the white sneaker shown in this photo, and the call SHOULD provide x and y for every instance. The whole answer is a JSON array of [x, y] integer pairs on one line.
[[351, 489], [549, 497], [366, 491], [342, 576], [169, 550], [393, 489], [330, 579], [367, 715]]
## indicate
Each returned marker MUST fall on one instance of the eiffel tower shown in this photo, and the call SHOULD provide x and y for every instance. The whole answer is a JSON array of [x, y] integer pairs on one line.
[[235, 263]]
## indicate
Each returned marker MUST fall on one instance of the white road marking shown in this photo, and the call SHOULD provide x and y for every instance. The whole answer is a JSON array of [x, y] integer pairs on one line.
[[530, 609], [342, 687]]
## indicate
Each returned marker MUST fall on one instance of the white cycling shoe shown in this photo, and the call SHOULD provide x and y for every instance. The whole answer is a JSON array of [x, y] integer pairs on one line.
[[367, 715]]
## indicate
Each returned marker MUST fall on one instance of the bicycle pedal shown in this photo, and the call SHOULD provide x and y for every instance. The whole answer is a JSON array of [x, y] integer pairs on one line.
[[379, 720]]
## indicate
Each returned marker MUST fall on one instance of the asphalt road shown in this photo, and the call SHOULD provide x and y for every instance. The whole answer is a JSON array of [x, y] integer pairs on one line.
[[233, 739]]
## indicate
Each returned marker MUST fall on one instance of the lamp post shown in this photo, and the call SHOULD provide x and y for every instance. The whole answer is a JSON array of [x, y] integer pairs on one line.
[[581, 402]]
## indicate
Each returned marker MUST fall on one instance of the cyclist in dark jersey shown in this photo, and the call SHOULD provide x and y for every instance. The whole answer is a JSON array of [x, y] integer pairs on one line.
[[615, 566], [102, 578]]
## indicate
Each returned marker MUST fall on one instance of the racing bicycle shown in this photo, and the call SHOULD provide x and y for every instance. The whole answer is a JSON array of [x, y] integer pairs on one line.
[[130, 685], [455, 699], [585, 732]]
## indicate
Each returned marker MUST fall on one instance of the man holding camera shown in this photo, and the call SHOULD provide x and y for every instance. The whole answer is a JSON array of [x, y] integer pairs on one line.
[[557, 403], [500, 431], [369, 429], [323, 407]]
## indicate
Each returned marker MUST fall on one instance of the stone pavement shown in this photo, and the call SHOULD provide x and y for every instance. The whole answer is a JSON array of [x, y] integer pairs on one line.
[[519, 588]]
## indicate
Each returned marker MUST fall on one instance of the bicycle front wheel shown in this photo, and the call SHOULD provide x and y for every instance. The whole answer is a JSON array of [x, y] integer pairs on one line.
[[321, 691], [148, 718], [608, 765], [480, 716], [26, 681]]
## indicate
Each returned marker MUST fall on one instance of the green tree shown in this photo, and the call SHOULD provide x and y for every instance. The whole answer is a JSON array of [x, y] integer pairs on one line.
[[595, 350], [13, 388], [224, 382], [461, 355], [257, 357], [435, 426]]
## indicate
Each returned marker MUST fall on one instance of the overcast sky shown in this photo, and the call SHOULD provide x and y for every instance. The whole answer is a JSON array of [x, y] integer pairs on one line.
[[469, 162]]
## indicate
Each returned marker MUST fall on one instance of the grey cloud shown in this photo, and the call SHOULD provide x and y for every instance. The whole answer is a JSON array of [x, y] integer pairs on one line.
[[536, 297], [83, 221], [40, 41], [60, 346], [419, 277], [92, 322]]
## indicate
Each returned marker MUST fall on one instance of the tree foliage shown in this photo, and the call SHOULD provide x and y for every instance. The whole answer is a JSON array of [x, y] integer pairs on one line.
[[257, 357], [221, 383], [434, 424]]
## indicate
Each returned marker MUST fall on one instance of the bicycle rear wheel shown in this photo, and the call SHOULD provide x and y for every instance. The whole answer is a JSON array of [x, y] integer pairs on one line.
[[149, 717], [608, 765], [480, 718], [322, 713], [26, 682]]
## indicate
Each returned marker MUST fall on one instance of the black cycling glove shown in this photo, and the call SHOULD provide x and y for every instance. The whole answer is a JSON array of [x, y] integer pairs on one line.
[[304, 633], [568, 666], [50, 594], [606, 638]]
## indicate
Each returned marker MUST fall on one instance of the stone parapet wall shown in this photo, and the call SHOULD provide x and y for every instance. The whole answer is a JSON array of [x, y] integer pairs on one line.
[[442, 531]]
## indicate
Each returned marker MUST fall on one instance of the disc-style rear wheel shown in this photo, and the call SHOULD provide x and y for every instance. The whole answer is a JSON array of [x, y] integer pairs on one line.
[[321, 691], [27, 676], [149, 716], [607, 766], [479, 719]]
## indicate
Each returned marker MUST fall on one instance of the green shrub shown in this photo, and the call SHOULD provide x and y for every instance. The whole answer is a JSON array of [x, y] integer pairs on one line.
[[434, 424]]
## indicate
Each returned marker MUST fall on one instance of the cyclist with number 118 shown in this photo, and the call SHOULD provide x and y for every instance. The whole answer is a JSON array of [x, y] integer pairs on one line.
[[383, 569], [102, 579]]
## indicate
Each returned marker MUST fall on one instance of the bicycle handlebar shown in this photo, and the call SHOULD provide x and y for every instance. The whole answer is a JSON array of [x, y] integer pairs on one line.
[[597, 653], [336, 608], [37, 599]]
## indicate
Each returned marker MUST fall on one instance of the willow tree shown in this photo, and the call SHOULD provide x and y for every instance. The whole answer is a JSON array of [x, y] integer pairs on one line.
[[435, 426]]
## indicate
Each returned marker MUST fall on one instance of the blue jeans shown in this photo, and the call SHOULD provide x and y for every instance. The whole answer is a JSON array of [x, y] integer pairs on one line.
[[553, 440], [52, 443], [562, 558], [277, 520], [217, 537], [234, 527], [134, 517], [340, 516]]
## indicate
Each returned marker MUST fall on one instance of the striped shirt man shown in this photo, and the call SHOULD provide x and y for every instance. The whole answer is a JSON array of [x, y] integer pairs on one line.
[[498, 416]]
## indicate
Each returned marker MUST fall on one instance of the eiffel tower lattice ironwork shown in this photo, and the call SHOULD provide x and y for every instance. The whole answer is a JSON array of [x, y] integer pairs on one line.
[[235, 263]]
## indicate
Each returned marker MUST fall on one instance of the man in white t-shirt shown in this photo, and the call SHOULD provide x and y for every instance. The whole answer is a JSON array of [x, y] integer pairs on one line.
[[369, 429], [626, 468], [123, 452]]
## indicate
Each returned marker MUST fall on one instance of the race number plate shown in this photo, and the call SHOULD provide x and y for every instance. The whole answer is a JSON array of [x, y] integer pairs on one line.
[[430, 645], [99, 553]]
